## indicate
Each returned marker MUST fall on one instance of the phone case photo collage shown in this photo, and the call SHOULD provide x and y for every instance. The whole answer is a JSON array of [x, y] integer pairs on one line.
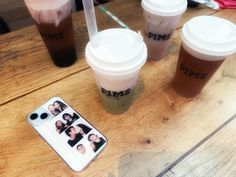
[[78, 134]]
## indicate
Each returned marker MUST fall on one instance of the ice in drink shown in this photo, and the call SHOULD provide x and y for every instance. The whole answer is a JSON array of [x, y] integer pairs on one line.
[[54, 23], [160, 20]]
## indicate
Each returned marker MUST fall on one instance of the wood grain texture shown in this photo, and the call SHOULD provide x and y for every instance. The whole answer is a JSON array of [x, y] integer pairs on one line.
[[15, 13], [158, 128], [26, 65], [134, 19], [215, 158]]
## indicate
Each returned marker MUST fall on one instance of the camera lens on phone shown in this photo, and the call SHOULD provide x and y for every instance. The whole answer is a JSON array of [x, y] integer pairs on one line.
[[33, 116], [44, 115]]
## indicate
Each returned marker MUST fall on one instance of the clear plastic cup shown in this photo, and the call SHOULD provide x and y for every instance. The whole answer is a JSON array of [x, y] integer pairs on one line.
[[160, 20], [116, 57], [54, 23], [206, 43]]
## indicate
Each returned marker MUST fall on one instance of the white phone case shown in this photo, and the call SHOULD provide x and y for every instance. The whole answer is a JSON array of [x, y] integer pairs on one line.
[[73, 138]]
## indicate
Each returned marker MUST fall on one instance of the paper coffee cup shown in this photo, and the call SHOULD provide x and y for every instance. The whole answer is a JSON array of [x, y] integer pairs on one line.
[[206, 43], [160, 20], [116, 57]]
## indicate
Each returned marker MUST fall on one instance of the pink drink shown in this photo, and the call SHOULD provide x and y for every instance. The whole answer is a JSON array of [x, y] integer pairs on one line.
[[160, 19], [157, 34]]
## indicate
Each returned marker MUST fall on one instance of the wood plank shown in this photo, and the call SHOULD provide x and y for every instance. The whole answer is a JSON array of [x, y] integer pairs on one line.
[[13, 11], [164, 125], [215, 158], [26, 65], [227, 14], [131, 13], [158, 128], [20, 23]]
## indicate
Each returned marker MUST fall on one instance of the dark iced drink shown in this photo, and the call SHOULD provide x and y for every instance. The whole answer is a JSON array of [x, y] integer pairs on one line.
[[206, 43], [193, 73], [54, 23]]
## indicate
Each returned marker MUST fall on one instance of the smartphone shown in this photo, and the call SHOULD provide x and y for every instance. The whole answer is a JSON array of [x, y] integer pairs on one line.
[[73, 138]]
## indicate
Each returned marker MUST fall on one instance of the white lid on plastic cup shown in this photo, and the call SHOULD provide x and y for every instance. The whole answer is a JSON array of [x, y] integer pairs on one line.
[[45, 4], [165, 7], [49, 11], [212, 36], [117, 51]]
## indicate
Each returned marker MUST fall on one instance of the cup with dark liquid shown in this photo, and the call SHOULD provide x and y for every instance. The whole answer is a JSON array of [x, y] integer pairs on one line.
[[206, 43], [54, 23]]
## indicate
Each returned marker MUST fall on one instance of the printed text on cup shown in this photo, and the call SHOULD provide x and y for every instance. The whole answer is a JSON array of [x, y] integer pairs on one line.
[[159, 37], [191, 73], [52, 36], [115, 94]]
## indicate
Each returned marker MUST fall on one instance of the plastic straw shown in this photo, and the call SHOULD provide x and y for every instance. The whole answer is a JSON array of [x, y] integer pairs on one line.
[[90, 19]]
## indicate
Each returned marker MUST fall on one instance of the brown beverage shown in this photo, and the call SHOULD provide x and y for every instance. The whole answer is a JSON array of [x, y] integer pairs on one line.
[[206, 43], [54, 22], [59, 41], [193, 71]]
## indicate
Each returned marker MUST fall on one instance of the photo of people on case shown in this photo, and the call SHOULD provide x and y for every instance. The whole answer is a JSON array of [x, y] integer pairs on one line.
[[96, 142], [75, 136], [81, 148], [57, 107], [76, 133], [82, 129], [65, 121], [60, 126], [70, 118]]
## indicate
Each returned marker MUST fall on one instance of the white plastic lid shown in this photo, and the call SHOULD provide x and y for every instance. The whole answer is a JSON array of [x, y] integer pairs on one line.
[[117, 51], [165, 7], [210, 35]]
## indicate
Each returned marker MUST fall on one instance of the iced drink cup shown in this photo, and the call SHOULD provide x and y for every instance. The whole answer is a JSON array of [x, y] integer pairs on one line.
[[206, 43], [116, 57], [54, 23], [160, 20]]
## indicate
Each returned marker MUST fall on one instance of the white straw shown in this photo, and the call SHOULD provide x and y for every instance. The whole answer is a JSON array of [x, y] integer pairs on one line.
[[90, 18]]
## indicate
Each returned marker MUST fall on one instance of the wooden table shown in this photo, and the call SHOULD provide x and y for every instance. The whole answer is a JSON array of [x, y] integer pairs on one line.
[[162, 134]]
